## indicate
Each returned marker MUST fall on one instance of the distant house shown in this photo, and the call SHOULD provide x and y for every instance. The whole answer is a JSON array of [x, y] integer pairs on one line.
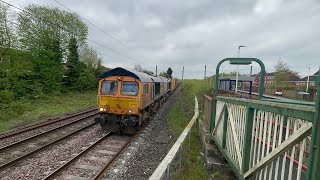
[[269, 78], [312, 80]]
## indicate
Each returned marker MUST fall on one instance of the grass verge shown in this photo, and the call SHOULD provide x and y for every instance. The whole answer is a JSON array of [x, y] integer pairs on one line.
[[23, 112], [179, 117]]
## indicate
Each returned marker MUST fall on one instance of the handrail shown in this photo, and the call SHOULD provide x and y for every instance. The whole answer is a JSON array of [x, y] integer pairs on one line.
[[160, 170]]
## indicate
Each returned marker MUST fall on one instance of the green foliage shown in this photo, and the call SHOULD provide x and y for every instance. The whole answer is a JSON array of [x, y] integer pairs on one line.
[[281, 70], [73, 64], [16, 74], [89, 56], [25, 111], [39, 55], [81, 75], [7, 34], [218, 176], [164, 74], [179, 117]]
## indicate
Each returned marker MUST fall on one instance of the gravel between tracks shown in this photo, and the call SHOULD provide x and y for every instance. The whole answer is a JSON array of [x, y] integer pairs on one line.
[[145, 154]]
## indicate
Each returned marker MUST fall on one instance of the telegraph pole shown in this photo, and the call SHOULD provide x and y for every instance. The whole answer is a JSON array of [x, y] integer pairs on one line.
[[238, 67], [182, 72], [308, 80], [205, 72], [156, 71], [182, 75]]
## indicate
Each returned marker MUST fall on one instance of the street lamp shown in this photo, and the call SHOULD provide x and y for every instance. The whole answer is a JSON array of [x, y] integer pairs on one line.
[[238, 67], [308, 80], [222, 71]]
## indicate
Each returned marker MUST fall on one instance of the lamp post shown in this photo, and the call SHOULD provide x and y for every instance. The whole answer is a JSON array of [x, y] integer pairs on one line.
[[308, 80], [222, 71], [238, 68]]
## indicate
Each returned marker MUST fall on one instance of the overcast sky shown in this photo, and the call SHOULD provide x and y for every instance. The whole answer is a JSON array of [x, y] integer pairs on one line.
[[194, 33]]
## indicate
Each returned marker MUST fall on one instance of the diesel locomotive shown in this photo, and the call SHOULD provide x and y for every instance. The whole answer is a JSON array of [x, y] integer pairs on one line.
[[126, 98]]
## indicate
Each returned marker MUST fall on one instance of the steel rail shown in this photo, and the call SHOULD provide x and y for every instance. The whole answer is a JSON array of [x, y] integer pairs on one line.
[[88, 149], [43, 133], [43, 123], [16, 160], [115, 157], [74, 159]]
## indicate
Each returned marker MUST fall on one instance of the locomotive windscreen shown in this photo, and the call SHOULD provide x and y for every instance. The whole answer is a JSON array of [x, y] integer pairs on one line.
[[129, 88], [109, 87]]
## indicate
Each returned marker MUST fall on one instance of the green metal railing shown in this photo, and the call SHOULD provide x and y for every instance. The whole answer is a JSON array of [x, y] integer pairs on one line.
[[266, 139]]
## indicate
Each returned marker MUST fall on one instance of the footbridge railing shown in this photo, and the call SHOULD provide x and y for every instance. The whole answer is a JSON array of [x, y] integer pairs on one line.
[[262, 139]]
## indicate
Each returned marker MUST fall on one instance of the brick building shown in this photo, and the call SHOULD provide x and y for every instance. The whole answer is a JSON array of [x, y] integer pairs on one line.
[[269, 78]]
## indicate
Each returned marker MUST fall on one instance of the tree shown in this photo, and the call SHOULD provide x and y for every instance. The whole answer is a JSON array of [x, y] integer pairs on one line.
[[164, 74], [89, 56], [169, 72], [138, 68], [45, 33], [7, 33], [100, 69], [73, 64], [281, 72]]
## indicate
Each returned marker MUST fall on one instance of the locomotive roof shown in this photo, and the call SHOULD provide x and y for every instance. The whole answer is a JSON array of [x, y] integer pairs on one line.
[[143, 77]]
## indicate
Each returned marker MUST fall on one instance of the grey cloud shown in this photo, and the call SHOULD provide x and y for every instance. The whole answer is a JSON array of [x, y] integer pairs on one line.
[[193, 33]]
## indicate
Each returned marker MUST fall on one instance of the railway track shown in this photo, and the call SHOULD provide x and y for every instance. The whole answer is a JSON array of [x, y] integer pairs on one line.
[[94, 160], [11, 154], [49, 121]]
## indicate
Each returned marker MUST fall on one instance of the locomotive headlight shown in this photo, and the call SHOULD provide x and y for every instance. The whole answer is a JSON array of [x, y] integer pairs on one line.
[[101, 109], [131, 111]]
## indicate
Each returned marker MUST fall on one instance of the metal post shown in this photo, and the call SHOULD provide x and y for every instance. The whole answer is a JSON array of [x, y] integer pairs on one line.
[[313, 171], [237, 78], [168, 172], [308, 80], [189, 139], [156, 71], [180, 156], [182, 75], [205, 72], [250, 90], [238, 67], [222, 71]]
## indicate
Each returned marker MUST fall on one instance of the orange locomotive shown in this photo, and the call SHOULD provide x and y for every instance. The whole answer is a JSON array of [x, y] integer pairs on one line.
[[127, 98]]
